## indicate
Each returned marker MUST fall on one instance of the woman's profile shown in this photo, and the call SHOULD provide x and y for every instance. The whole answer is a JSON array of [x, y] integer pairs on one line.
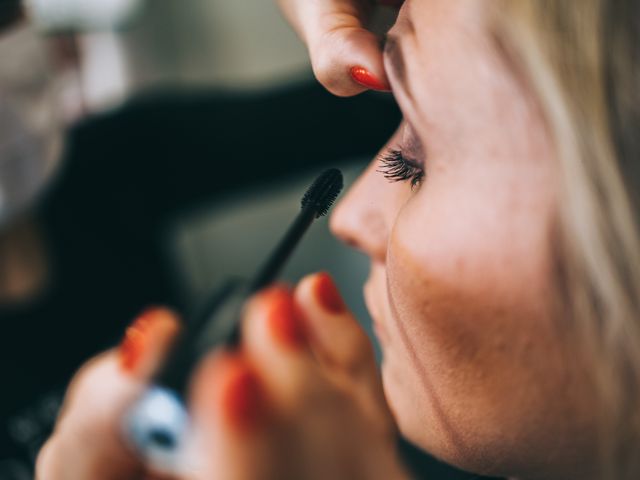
[[501, 222]]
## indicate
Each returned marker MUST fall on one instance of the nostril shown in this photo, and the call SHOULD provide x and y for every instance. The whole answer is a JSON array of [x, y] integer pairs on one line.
[[350, 242]]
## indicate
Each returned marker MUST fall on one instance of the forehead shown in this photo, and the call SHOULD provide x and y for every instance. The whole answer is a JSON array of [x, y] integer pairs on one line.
[[431, 14], [429, 31], [467, 105], [448, 55]]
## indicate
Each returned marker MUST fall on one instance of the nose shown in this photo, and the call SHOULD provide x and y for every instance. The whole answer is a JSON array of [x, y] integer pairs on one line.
[[361, 219]]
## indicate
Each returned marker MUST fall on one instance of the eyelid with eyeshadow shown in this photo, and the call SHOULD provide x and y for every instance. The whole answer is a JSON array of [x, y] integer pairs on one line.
[[411, 145]]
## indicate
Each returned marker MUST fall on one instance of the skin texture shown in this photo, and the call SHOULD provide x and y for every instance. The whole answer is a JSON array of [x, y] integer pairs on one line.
[[476, 368]]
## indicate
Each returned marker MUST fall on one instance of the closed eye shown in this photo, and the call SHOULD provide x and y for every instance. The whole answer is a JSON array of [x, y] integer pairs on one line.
[[397, 168]]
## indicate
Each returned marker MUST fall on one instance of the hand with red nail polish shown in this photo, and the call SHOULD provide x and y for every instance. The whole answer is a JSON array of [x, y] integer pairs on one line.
[[87, 442], [301, 399], [345, 54]]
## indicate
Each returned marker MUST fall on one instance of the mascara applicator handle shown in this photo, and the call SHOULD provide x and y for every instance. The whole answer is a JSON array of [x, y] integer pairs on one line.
[[276, 261]]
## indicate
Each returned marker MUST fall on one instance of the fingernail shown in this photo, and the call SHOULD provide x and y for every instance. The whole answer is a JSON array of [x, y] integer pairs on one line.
[[283, 317], [327, 294], [137, 339], [242, 396], [367, 79]]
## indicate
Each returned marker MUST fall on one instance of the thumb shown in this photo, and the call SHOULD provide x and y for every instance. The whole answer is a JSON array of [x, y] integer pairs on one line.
[[87, 441]]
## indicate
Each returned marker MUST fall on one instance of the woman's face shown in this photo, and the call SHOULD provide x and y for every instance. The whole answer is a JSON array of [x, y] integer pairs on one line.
[[461, 286]]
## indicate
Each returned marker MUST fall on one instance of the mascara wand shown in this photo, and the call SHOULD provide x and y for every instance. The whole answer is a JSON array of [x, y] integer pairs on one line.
[[219, 322], [315, 203]]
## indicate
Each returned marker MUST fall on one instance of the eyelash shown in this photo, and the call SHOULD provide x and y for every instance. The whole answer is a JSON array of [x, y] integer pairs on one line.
[[396, 168]]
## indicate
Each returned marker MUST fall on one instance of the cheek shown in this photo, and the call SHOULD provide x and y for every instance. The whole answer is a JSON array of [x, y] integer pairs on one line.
[[472, 261], [469, 311]]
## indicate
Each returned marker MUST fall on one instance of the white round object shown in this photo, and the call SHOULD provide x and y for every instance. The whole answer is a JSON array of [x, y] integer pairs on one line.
[[158, 428]]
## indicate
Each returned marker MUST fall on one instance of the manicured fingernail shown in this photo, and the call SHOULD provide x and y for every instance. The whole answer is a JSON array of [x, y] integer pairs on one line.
[[137, 339], [328, 295], [367, 79], [242, 396], [283, 317]]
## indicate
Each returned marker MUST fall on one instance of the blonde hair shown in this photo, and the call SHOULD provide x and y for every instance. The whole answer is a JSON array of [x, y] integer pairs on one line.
[[582, 61]]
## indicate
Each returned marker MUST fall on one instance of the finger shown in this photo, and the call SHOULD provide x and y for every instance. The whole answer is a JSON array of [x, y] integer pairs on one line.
[[230, 409], [96, 401], [97, 396], [275, 342], [335, 335], [342, 346], [144, 345], [345, 56], [147, 341], [337, 339]]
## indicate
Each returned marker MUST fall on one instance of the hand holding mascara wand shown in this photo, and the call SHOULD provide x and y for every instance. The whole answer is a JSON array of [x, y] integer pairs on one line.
[[305, 369], [158, 424]]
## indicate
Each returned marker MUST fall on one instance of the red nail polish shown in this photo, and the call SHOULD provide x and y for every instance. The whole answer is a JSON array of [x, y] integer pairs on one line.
[[136, 339], [328, 295], [365, 78], [242, 397], [283, 317]]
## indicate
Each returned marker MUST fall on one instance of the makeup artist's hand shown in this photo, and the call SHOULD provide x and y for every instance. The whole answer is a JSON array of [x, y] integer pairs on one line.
[[345, 55], [87, 441], [302, 399]]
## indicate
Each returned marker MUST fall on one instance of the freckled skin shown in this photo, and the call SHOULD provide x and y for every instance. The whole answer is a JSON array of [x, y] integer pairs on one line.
[[477, 368]]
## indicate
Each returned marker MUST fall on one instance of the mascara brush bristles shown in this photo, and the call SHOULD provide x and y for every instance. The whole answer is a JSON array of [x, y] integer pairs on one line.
[[323, 192]]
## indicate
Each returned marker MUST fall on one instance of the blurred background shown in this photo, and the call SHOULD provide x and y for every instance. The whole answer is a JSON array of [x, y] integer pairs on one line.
[[148, 151]]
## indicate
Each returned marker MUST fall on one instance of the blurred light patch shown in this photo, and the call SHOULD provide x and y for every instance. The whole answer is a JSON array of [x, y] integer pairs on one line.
[[85, 15], [31, 126]]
